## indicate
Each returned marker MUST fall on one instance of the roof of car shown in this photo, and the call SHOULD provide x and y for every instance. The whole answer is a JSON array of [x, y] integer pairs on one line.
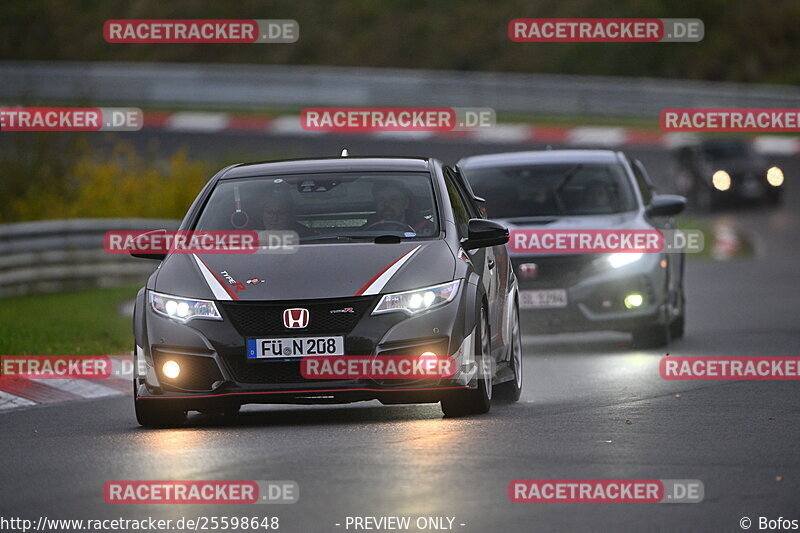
[[331, 164], [538, 157]]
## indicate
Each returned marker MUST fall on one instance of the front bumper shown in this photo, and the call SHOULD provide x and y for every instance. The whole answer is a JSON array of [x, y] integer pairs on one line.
[[596, 294], [217, 370]]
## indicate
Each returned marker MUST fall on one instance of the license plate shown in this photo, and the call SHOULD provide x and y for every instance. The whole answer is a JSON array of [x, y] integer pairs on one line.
[[543, 299], [294, 347]]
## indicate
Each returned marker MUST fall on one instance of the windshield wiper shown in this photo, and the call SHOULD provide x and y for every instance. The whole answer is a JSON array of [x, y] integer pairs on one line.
[[319, 238], [387, 238]]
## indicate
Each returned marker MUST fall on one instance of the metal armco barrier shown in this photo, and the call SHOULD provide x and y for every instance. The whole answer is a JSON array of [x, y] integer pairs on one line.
[[207, 86], [57, 255]]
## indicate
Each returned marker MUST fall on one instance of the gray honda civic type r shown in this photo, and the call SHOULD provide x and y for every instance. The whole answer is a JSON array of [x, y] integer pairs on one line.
[[393, 258], [640, 293]]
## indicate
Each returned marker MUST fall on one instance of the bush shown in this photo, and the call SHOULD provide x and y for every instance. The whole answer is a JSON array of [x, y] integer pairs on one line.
[[47, 179]]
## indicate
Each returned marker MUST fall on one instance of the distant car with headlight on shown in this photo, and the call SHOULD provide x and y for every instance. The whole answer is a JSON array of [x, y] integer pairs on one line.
[[641, 293], [724, 172], [393, 258]]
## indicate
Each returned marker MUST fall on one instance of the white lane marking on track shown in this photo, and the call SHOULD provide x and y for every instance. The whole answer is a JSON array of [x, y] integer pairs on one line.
[[592, 135], [82, 387], [290, 124], [9, 401], [776, 145], [503, 133], [196, 121]]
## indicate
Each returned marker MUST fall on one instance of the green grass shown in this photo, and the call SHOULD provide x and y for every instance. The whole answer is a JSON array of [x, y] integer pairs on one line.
[[72, 323]]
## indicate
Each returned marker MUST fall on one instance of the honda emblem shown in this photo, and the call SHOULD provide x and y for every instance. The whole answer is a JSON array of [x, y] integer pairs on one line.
[[295, 318]]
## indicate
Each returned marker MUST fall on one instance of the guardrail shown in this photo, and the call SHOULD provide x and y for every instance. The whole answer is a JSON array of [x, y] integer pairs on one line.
[[207, 86], [57, 255]]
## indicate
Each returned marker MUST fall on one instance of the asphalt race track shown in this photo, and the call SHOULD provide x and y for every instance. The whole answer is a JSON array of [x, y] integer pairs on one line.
[[740, 438]]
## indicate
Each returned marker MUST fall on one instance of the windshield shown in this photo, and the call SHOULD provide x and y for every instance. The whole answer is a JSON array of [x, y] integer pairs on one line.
[[319, 207], [552, 190], [726, 150]]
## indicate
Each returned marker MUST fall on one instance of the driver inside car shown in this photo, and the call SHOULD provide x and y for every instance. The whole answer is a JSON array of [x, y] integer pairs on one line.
[[279, 214], [394, 211]]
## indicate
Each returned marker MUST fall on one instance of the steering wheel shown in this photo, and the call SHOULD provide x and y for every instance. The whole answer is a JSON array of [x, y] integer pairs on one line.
[[389, 224]]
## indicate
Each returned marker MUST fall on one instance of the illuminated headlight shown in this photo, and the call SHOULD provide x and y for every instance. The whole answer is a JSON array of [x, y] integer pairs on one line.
[[721, 180], [418, 300], [183, 309], [171, 369], [622, 259], [633, 300], [775, 177]]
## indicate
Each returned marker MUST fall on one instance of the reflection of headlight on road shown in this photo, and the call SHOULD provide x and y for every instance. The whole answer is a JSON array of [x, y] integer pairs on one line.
[[775, 176], [721, 180], [622, 259]]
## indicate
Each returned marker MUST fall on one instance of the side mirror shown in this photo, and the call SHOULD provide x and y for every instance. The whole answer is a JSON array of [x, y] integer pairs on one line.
[[664, 205], [484, 233], [144, 242]]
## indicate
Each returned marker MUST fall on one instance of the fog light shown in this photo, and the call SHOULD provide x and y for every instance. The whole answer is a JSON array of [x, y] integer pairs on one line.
[[171, 369], [633, 300], [428, 360]]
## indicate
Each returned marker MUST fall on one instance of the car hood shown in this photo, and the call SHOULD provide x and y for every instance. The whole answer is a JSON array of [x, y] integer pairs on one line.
[[314, 271]]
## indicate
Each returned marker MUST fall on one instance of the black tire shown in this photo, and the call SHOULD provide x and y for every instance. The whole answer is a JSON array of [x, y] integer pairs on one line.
[[479, 400], [157, 414], [510, 391], [655, 336]]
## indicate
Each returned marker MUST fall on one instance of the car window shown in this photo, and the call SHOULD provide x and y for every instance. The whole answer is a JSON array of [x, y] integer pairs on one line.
[[553, 189], [326, 206], [464, 193], [642, 181], [459, 207]]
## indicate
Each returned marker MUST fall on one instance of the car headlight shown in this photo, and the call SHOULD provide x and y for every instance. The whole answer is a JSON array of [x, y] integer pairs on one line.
[[418, 300], [183, 309], [775, 176], [622, 259], [721, 180]]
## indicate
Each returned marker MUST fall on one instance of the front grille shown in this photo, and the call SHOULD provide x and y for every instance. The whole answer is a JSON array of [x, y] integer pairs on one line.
[[253, 319], [556, 271], [266, 371], [198, 373]]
